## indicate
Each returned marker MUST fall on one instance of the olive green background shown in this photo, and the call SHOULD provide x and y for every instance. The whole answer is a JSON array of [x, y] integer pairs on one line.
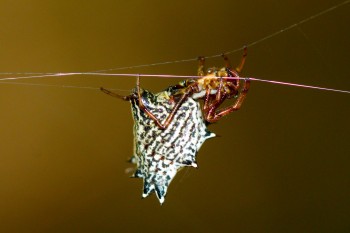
[[281, 163]]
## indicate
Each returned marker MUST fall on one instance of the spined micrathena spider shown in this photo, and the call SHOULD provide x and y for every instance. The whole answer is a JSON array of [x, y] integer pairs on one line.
[[169, 126]]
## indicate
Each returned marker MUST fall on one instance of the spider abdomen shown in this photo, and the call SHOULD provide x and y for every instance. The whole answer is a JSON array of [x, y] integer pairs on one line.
[[161, 153]]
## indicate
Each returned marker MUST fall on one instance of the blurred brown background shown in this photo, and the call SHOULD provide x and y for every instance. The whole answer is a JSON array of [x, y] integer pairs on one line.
[[281, 164]]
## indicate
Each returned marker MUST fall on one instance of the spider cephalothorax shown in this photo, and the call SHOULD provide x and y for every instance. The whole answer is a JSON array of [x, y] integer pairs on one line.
[[215, 87]]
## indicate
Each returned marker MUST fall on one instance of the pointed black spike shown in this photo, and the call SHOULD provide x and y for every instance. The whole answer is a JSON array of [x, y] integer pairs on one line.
[[147, 189], [137, 174], [160, 193]]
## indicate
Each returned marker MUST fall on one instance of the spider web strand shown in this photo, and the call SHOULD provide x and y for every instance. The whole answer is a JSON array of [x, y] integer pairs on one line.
[[3, 80], [240, 48]]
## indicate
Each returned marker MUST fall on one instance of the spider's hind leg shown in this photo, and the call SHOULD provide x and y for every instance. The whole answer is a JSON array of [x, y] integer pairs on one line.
[[108, 92]]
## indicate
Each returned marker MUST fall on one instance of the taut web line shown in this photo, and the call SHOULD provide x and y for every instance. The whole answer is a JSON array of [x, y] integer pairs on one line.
[[163, 76]]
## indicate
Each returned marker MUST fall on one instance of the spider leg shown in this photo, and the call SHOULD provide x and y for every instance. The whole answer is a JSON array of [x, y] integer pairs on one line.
[[143, 107], [206, 100], [230, 72], [200, 71], [218, 93], [239, 68], [188, 91], [212, 105], [227, 61], [234, 79], [210, 114], [214, 116], [108, 92]]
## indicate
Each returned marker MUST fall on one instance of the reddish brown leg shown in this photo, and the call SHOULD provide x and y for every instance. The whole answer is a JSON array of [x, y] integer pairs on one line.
[[206, 100], [230, 72], [200, 71], [210, 104], [227, 61], [218, 93], [188, 91], [215, 116], [239, 68], [126, 98], [210, 113]]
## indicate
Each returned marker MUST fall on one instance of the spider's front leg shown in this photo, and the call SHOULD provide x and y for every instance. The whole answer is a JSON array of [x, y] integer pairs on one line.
[[187, 92], [211, 103], [213, 115]]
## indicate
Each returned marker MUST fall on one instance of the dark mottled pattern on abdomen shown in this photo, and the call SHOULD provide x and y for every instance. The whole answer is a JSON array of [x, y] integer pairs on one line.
[[159, 154]]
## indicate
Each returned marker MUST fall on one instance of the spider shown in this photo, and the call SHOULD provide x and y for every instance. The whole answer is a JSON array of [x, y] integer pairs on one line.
[[214, 88], [162, 149]]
